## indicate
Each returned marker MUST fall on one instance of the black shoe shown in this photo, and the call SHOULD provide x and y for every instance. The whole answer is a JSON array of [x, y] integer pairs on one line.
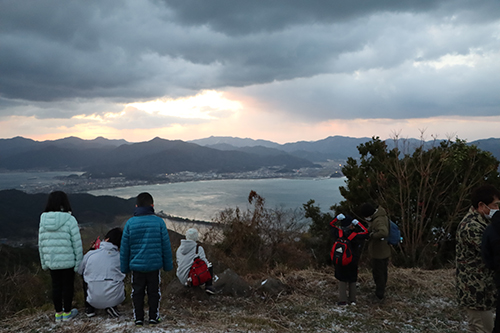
[[139, 323], [210, 290], [113, 312], [342, 303], [153, 322], [90, 311]]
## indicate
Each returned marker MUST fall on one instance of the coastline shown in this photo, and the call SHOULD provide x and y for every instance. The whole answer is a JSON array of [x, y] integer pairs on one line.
[[75, 183], [192, 202]]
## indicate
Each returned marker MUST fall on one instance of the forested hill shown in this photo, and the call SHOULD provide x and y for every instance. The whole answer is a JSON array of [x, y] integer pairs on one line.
[[163, 156], [20, 212], [332, 147], [158, 156], [111, 158]]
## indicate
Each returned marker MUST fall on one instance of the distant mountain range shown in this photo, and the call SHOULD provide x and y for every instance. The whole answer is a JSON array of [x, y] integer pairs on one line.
[[111, 158], [333, 147], [17, 145]]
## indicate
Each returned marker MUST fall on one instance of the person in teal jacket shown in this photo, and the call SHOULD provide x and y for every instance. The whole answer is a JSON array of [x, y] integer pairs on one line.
[[145, 249], [60, 248]]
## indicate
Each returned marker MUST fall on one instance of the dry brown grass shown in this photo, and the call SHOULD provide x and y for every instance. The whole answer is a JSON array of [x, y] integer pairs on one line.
[[417, 301]]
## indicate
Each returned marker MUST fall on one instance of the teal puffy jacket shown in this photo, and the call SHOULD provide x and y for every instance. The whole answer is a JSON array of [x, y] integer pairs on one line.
[[59, 241], [145, 243]]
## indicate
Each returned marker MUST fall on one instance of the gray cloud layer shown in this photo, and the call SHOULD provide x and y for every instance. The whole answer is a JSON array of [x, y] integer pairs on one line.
[[124, 51]]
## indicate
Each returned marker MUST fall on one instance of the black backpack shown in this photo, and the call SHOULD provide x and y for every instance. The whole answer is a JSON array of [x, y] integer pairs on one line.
[[341, 253]]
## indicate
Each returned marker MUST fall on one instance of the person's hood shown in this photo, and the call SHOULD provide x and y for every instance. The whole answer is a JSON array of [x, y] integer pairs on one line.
[[108, 246], [379, 212], [187, 246], [54, 220], [139, 211]]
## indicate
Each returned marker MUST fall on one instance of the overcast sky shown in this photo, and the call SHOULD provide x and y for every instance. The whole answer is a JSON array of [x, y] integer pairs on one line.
[[281, 70]]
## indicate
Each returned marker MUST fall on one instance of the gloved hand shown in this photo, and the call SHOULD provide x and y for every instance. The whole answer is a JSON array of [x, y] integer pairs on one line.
[[355, 222], [340, 217]]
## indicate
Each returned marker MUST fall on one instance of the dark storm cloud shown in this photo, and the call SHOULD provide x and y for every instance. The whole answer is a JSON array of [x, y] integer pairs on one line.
[[248, 17], [124, 51], [393, 94]]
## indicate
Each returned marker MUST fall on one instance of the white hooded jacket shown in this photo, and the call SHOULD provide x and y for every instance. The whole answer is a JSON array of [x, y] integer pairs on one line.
[[101, 271], [185, 257]]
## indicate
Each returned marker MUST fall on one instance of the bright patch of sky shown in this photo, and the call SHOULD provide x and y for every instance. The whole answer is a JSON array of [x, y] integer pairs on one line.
[[201, 106]]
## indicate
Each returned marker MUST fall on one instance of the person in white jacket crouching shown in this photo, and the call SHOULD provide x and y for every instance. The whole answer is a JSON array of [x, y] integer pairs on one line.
[[186, 253], [103, 281]]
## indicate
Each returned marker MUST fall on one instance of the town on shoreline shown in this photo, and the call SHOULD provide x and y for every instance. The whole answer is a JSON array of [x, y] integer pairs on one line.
[[83, 183]]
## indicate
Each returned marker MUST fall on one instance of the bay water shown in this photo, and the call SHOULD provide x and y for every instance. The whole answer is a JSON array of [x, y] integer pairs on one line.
[[202, 200]]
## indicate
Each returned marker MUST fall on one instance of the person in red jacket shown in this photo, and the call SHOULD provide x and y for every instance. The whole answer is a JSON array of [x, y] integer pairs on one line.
[[348, 274]]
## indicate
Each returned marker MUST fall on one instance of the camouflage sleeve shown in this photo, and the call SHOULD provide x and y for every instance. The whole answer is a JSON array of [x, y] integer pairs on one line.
[[473, 234]]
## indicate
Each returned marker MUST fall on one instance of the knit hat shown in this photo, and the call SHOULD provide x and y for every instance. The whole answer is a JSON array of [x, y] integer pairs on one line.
[[192, 234], [366, 210]]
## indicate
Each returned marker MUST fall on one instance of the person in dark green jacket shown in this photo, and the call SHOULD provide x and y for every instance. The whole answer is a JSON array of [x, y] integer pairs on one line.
[[378, 248], [145, 249]]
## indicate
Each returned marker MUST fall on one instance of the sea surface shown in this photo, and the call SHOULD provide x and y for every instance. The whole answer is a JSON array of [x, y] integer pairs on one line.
[[202, 200]]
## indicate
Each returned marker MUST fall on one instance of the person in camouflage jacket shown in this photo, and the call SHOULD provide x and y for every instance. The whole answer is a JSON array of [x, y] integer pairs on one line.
[[475, 284]]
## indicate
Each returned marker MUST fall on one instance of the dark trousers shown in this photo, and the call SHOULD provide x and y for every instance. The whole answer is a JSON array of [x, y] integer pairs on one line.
[[62, 288], [209, 282], [496, 329], [85, 294], [143, 282], [379, 272]]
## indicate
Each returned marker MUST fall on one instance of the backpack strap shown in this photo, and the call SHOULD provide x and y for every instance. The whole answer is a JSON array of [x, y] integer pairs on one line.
[[352, 235], [197, 246], [341, 232]]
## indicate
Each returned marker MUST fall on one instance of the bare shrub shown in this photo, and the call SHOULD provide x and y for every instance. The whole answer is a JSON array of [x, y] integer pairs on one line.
[[23, 290], [424, 189], [259, 237]]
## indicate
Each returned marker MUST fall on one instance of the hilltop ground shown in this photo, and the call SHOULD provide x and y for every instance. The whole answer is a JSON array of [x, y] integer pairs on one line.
[[417, 301]]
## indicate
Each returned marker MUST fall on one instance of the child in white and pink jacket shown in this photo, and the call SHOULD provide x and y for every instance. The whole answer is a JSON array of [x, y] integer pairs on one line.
[[103, 281], [186, 253]]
